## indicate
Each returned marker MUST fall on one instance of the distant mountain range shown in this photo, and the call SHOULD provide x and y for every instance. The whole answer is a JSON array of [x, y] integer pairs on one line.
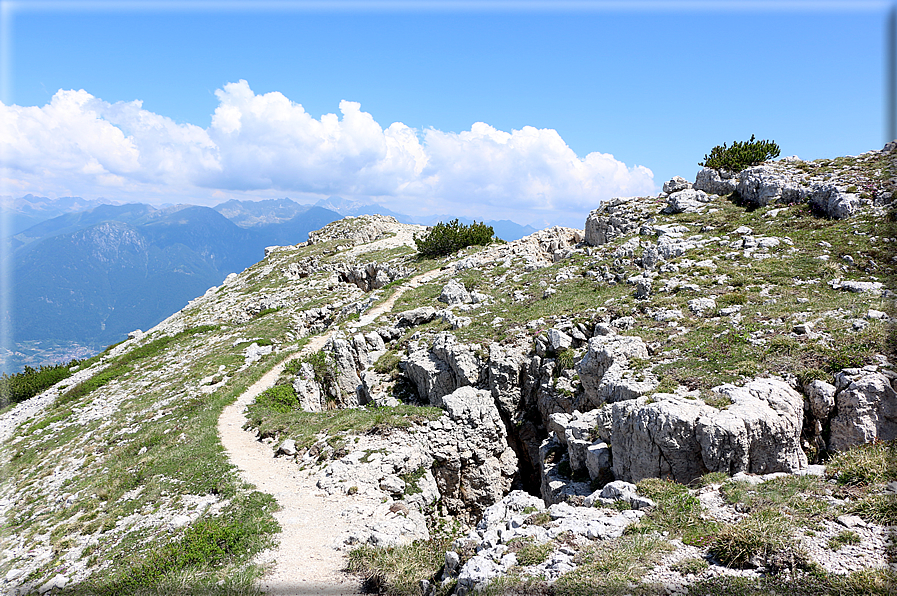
[[24, 212], [90, 272]]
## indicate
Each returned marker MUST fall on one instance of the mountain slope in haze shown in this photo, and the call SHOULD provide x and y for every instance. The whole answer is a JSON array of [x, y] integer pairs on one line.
[[96, 284], [91, 277], [255, 213], [25, 212]]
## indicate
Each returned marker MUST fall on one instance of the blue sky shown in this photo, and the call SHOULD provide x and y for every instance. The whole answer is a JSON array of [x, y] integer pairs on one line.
[[655, 86]]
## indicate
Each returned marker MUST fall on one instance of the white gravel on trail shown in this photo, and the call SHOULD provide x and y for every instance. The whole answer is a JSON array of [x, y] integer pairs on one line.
[[307, 560]]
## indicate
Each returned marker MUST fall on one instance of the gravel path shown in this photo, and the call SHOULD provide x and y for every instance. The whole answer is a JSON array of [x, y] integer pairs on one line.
[[307, 560]]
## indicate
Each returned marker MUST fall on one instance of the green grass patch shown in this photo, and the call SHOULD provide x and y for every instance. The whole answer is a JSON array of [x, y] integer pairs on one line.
[[843, 539], [865, 465], [760, 536], [801, 497], [303, 427], [611, 567], [529, 552], [858, 583], [398, 570], [206, 544], [678, 512], [690, 566]]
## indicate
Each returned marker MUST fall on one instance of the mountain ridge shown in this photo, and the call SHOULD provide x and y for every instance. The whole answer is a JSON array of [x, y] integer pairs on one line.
[[692, 394]]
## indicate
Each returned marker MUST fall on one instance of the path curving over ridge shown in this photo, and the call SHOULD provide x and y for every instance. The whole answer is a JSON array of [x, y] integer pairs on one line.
[[306, 560]]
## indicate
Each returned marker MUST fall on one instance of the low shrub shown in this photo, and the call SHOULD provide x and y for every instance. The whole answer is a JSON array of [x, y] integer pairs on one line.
[[446, 238], [280, 398], [31, 381], [741, 155]]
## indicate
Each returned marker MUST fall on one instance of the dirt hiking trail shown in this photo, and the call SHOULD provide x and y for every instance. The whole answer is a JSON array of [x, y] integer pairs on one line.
[[306, 561]]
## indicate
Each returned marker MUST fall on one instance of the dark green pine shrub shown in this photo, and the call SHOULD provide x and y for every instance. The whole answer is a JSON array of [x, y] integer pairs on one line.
[[741, 155], [280, 398], [28, 383], [446, 238]]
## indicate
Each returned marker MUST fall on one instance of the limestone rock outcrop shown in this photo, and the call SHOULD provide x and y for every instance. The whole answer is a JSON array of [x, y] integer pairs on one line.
[[866, 409], [473, 464], [683, 439]]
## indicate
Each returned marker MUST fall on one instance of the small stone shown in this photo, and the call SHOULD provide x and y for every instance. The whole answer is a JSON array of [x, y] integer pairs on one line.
[[288, 448], [676, 183], [643, 289], [454, 293], [804, 329], [559, 340], [57, 581], [452, 560], [13, 574], [851, 521], [699, 305]]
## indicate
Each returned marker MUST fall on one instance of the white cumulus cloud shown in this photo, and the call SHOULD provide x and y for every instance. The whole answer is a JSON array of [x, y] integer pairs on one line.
[[263, 144]]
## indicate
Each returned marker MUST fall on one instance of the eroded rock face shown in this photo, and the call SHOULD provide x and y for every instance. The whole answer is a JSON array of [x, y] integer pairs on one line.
[[474, 466], [347, 368], [557, 487], [657, 440], [612, 219], [604, 371], [676, 183], [758, 434], [715, 182], [834, 202], [442, 368], [683, 439], [866, 409], [308, 391], [688, 200], [766, 184], [370, 276], [762, 185], [454, 293], [507, 380], [432, 377]]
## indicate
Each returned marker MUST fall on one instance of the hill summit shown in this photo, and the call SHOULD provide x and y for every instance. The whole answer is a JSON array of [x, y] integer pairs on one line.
[[694, 393]]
